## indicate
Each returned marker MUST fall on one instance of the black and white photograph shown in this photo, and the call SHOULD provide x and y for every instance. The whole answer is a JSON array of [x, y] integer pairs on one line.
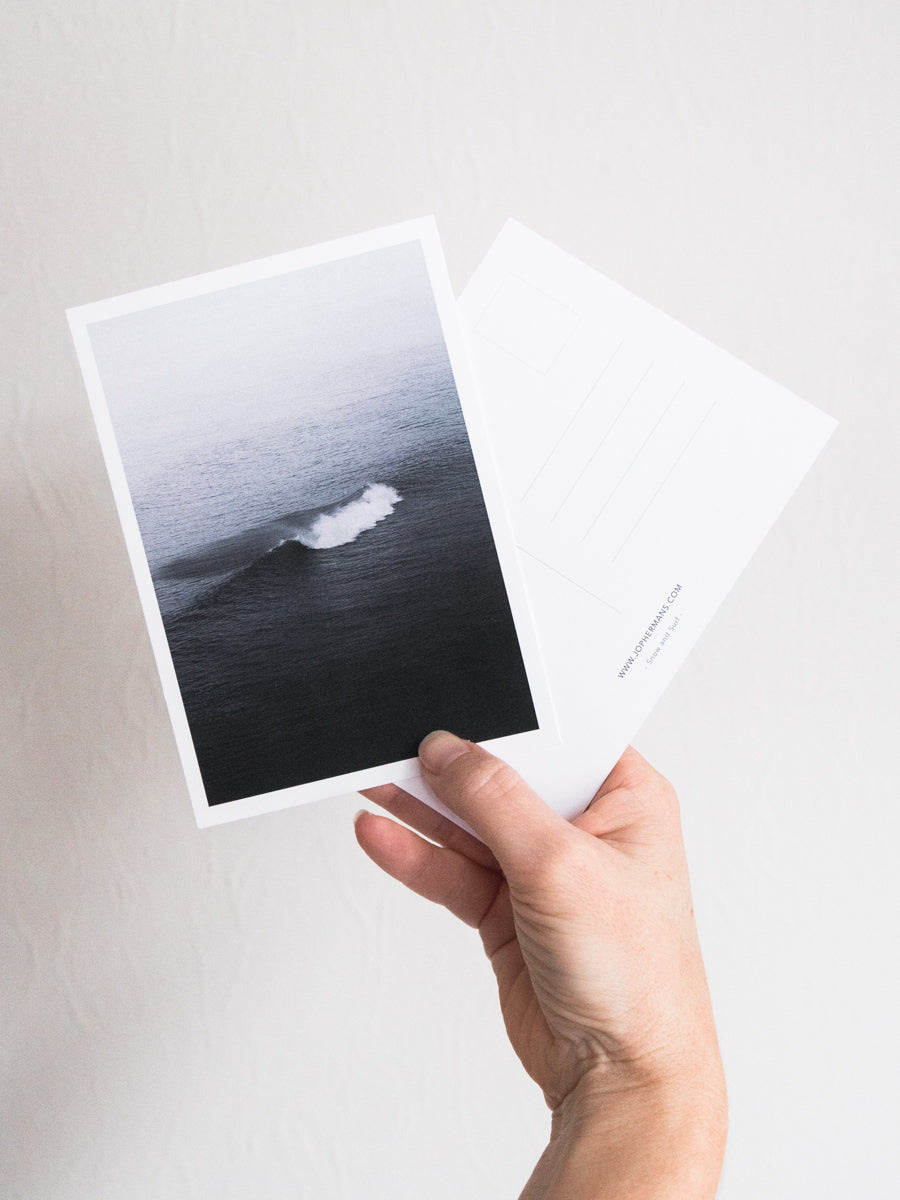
[[310, 508]]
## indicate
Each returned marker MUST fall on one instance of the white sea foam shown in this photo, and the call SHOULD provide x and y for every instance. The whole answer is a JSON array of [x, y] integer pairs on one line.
[[345, 521]]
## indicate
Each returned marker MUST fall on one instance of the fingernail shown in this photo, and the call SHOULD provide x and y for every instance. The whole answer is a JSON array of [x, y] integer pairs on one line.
[[438, 750], [358, 814]]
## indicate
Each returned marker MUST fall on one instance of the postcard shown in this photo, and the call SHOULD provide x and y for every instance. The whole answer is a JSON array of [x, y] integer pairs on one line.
[[642, 465], [310, 506]]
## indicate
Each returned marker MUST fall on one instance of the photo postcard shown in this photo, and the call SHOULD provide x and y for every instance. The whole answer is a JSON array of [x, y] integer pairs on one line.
[[313, 518]]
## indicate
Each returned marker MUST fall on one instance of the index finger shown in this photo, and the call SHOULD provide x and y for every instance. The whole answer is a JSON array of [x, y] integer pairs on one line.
[[428, 821]]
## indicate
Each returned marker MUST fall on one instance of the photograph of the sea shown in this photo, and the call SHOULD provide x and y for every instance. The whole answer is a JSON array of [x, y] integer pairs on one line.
[[313, 521]]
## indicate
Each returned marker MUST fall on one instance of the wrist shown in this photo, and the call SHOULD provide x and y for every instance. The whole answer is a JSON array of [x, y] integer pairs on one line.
[[635, 1138]]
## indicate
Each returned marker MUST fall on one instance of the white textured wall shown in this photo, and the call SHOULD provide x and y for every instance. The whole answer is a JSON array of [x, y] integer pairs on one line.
[[253, 1010]]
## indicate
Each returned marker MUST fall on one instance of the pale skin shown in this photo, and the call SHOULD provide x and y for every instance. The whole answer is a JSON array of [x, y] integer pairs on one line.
[[590, 931]]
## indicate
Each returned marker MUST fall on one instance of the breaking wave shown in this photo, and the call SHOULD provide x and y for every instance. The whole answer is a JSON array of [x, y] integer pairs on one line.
[[345, 521], [322, 528]]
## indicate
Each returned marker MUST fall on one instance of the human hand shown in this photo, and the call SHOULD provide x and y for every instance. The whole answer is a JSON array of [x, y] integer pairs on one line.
[[589, 928]]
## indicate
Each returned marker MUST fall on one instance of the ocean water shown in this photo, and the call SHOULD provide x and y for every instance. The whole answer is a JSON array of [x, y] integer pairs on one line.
[[326, 574]]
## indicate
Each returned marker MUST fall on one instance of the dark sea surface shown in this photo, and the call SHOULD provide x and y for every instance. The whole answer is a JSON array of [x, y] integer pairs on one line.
[[298, 663]]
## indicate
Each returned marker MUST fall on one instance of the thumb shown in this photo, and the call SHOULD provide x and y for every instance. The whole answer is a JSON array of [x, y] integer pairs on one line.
[[491, 798]]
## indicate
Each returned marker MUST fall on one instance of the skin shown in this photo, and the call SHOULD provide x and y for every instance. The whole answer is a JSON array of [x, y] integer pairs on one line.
[[589, 928]]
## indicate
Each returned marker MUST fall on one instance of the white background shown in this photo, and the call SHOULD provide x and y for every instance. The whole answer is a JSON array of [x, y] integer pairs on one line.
[[253, 1010]]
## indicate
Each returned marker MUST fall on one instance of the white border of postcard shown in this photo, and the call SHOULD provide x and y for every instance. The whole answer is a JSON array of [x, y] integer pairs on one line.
[[423, 230]]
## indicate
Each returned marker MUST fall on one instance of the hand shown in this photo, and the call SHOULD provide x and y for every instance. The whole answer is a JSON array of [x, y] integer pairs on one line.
[[590, 931]]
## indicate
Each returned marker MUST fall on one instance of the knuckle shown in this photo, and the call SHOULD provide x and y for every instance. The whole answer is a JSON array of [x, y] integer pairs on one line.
[[557, 864], [486, 776]]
